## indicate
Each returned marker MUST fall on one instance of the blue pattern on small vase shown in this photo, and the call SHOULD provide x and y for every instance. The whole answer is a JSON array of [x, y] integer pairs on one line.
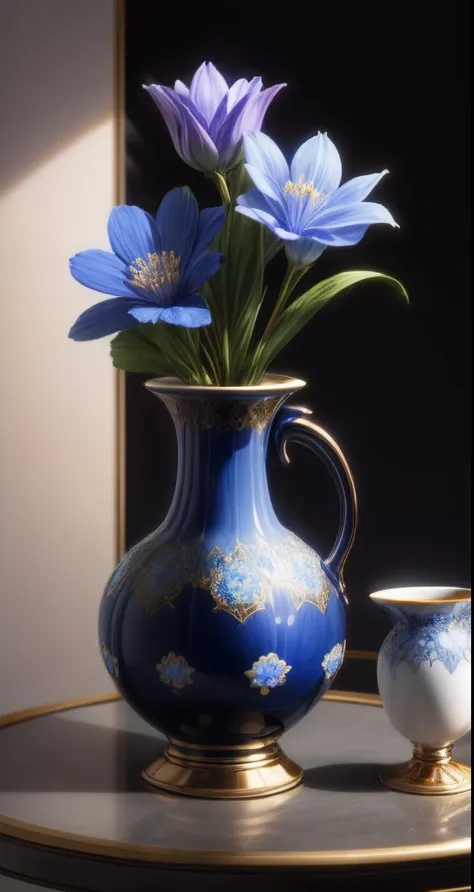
[[110, 661], [267, 673], [442, 637], [175, 671], [333, 660]]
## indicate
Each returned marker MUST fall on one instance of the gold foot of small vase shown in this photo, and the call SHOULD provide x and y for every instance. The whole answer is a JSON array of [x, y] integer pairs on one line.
[[431, 772], [248, 771]]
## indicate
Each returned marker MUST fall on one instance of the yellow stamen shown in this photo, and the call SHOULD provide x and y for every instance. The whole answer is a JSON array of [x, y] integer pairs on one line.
[[301, 189], [160, 269]]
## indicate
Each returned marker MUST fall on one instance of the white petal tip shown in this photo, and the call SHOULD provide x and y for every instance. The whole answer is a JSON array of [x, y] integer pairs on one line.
[[395, 225], [384, 172]]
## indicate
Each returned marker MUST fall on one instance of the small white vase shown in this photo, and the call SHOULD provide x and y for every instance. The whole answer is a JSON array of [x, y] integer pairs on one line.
[[424, 679]]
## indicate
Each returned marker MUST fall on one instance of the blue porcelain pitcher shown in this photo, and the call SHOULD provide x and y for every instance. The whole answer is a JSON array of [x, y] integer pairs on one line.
[[222, 628]]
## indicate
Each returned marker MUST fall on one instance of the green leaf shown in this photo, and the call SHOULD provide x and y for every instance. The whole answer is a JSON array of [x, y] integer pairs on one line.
[[272, 245], [238, 181], [133, 352], [235, 292], [245, 268], [299, 313]]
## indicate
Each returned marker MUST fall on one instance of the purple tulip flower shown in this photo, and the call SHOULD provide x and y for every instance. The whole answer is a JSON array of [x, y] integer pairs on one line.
[[207, 120]]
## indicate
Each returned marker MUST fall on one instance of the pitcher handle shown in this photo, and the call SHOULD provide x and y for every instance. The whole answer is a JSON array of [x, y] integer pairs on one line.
[[292, 425]]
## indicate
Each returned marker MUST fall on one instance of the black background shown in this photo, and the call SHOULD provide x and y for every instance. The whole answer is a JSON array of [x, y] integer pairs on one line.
[[389, 83]]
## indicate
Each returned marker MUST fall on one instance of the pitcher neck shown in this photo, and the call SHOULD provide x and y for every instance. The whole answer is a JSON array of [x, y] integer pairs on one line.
[[221, 477]]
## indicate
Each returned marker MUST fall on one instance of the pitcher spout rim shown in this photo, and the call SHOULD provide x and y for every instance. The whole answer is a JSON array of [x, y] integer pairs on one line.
[[271, 384]]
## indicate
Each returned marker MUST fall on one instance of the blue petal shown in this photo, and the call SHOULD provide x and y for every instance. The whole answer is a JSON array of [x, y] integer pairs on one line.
[[303, 252], [259, 215], [251, 213], [267, 185], [211, 221], [207, 89], [177, 221], [132, 233], [355, 190], [104, 318], [317, 161], [340, 217], [252, 198], [203, 269], [286, 235], [256, 200], [340, 238], [263, 153], [192, 312], [146, 314], [102, 271]]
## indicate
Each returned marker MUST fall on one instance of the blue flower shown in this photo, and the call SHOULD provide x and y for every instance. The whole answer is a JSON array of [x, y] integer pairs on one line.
[[304, 205], [156, 269], [206, 121]]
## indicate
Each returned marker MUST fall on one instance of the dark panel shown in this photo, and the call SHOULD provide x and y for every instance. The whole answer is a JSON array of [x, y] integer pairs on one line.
[[390, 382]]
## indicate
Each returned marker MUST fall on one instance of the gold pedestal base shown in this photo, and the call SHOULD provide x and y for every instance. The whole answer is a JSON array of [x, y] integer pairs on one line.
[[248, 771], [431, 772]]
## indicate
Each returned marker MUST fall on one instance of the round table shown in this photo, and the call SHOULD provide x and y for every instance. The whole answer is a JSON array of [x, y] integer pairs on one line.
[[76, 814]]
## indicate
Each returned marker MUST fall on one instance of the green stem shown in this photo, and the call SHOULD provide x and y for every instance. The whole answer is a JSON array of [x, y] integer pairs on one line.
[[222, 187], [226, 356], [223, 335], [291, 279]]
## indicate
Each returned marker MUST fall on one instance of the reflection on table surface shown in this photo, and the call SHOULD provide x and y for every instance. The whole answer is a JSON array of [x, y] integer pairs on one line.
[[79, 772]]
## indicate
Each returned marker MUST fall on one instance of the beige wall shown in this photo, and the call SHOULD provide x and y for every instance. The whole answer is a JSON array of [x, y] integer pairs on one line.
[[57, 398]]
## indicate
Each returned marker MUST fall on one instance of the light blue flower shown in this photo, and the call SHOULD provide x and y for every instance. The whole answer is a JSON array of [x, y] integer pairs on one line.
[[304, 204], [268, 672], [156, 269], [207, 119], [333, 660], [175, 672]]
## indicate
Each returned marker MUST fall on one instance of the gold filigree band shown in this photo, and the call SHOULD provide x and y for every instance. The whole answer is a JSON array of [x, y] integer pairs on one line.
[[222, 415]]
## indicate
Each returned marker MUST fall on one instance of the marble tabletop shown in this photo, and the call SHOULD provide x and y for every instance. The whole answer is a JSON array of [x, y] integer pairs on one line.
[[70, 784]]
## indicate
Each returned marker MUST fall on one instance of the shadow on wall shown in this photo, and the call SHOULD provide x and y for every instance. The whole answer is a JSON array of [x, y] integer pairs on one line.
[[52, 111]]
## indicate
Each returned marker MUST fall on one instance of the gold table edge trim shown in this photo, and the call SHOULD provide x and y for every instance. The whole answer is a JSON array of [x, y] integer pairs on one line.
[[88, 845], [453, 889]]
